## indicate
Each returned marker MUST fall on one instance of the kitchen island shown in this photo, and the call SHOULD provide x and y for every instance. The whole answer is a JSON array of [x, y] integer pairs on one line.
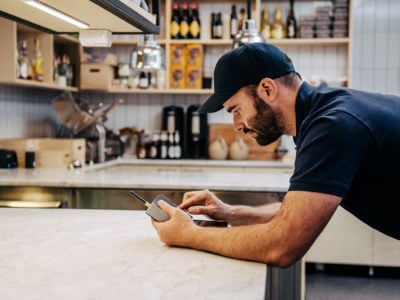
[[110, 254]]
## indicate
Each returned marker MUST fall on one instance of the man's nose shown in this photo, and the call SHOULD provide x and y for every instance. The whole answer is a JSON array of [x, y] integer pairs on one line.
[[237, 124]]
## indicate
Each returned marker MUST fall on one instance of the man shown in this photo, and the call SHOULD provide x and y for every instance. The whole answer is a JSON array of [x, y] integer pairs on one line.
[[347, 153]]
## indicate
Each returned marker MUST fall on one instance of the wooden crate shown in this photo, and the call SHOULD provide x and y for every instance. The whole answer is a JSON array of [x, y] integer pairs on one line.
[[49, 152], [96, 76], [256, 152]]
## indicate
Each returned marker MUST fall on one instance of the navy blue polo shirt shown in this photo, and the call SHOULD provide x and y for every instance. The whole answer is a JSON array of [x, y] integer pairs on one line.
[[348, 144]]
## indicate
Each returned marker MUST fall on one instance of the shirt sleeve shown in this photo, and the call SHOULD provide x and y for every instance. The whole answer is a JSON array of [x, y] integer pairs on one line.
[[330, 153]]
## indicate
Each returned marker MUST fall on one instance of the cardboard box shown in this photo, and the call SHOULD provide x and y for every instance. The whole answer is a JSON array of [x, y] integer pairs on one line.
[[96, 76], [177, 77], [194, 56], [193, 77], [178, 55], [49, 152]]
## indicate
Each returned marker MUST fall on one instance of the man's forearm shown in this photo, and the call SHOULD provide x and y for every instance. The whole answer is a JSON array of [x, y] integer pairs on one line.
[[246, 215]]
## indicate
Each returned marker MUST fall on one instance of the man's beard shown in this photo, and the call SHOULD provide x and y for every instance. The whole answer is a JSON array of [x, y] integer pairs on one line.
[[267, 123]]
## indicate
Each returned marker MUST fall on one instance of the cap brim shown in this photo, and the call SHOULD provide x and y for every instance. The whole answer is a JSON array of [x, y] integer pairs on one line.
[[215, 102]]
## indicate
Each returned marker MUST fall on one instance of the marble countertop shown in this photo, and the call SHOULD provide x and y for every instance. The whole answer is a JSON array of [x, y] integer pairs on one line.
[[259, 176], [108, 254]]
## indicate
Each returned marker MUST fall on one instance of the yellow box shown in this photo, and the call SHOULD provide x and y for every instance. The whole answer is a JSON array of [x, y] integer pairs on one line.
[[178, 55], [177, 77], [193, 77], [194, 55], [96, 76]]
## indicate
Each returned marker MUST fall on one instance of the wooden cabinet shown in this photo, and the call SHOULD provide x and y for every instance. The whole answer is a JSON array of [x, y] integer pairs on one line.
[[13, 33]]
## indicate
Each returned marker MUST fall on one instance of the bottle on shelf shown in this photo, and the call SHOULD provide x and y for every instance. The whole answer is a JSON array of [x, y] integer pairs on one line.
[[38, 61], [171, 145], [218, 26], [291, 23], [278, 28], [213, 25], [184, 22], [62, 71], [164, 144], [144, 80], [242, 18], [233, 22], [194, 22], [178, 148], [25, 64], [174, 28], [70, 72], [266, 24]]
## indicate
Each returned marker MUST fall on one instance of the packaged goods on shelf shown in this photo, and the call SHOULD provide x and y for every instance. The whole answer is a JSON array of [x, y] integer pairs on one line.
[[177, 66], [186, 65], [194, 65]]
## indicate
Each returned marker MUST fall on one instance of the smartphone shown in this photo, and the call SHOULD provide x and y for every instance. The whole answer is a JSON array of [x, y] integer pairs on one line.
[[159, 215]]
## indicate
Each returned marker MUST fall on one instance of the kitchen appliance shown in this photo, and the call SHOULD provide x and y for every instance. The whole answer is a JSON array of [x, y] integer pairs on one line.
[[79, 120], [8, 159], [173, 120], [197, 133]]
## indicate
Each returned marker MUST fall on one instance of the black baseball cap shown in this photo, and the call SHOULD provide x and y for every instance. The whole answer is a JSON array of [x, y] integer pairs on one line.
[[242, 66]]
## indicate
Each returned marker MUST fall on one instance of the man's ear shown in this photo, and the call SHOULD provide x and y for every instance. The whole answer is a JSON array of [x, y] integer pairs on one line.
[[266, 89]]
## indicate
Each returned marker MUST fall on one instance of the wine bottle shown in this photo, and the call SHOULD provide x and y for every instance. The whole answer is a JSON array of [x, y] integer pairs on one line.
[[213, 25], [233, 22], [184, 22], [218, 26], [278, 28], [291, 23], [266, 24], [194, 23], [174, 28]]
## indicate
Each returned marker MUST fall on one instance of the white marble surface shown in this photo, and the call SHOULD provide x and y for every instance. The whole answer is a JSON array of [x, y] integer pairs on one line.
[[138, 174], [108, 254]]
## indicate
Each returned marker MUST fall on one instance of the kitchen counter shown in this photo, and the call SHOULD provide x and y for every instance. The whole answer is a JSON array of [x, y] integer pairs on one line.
[[109, 254], [260, 176]]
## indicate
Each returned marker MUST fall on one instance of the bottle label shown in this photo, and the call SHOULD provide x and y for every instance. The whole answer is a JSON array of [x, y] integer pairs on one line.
[[174, 28], [184, 29], [194, 29]]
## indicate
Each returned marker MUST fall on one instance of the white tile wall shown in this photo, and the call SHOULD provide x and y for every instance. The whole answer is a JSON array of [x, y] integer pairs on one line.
[[28, 112]]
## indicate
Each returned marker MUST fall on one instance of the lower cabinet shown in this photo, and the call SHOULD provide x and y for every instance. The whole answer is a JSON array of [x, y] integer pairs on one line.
[[347, 240]]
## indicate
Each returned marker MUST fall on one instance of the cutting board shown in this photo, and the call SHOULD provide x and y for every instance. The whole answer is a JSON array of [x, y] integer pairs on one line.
[[256, 152], [49, 152]]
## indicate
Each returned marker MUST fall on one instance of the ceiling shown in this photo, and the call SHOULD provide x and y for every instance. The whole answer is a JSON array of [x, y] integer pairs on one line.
[[118, 16]]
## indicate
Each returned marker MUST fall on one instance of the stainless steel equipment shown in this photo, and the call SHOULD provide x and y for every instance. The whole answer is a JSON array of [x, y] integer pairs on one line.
[[79, 120]]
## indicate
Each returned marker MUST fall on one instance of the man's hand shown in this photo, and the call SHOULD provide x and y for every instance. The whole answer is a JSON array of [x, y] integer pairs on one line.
[[206, 203], [175, 231]]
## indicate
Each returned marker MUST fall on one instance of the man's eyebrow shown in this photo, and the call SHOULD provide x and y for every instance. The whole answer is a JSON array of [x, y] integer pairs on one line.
[[230, 108]]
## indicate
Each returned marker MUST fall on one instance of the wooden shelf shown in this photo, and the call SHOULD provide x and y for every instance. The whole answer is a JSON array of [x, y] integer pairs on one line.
[[39, 84], [160, 91]]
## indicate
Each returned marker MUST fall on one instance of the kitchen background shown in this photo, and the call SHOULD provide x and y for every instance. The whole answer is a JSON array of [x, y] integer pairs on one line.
[[375, 66]]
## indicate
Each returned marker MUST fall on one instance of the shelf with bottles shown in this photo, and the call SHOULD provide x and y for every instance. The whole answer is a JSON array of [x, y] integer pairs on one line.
[[27, 56]]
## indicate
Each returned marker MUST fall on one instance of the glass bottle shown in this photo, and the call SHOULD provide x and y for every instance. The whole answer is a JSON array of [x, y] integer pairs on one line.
[[278, 28], [194, 22], [218, 26], [213, 25], [266, 24], [184, 22], [38, 61], [25, 64], [174, 30], [233, 22], [291, 23], [242, 18]]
